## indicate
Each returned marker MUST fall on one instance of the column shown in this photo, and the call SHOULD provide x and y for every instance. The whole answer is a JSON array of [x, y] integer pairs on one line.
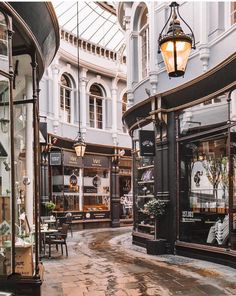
[[81, 173], [114, 111], [129, 60], [115, 192], [204, 52], [29, 202], [153, 43], [55, 96], [83, 100]]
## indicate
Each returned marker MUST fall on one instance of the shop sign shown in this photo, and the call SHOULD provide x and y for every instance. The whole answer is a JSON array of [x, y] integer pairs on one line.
[[188, 216], [70, 159], [147, 143], [78, 216], [55, 158], [96, 181], [90, 189], [97, 215], [96, 161]]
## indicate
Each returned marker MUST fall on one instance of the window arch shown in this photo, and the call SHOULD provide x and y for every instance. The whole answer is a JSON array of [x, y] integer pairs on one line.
[[65, 98], [96, 106], [144, 42]]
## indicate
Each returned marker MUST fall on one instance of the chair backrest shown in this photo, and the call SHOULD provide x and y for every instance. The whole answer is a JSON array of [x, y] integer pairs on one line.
[[64, 230], [68, 217], [43, 218]]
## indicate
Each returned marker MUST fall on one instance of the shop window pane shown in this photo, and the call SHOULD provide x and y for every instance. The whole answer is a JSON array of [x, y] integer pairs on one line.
[[5, 179], [96, 190], [212, 113], [204, 192], [233, 153]]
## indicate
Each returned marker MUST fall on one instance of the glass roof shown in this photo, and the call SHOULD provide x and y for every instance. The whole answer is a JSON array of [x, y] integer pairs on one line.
[[96, 24]]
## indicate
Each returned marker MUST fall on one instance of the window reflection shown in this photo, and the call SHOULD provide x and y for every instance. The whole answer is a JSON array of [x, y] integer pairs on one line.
[[204, 187], [5, 178], [211, 113]]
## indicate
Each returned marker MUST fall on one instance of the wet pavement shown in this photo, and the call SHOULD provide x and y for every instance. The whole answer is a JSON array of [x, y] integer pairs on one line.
[[105, 263]]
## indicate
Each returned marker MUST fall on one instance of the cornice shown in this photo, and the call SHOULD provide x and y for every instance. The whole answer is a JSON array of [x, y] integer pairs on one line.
[[65, 55]]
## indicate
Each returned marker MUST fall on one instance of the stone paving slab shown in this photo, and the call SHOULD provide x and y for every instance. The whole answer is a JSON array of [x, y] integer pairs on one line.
[[105, 263]]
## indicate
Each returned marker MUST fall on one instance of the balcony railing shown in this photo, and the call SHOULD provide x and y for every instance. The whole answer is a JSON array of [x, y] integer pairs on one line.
[[93, 48]]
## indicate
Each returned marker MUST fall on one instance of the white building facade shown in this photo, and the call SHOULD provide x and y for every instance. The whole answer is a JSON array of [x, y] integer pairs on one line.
[[103, 100]]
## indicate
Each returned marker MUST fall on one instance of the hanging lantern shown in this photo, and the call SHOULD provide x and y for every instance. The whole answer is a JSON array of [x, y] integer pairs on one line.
[[80, 146], [175, 46], [4, 125]]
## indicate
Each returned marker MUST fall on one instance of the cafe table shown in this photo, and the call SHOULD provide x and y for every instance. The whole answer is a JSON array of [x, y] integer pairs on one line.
[[44, 232]]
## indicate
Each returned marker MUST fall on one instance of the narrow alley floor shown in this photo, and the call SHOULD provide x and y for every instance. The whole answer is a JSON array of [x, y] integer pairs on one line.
[[103, 262]]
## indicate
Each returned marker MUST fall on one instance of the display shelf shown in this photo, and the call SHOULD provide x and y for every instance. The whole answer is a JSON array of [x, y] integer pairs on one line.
[[146, 167], [146, 225], [146, 182], [96, 194], [146, 196], [145, 191]]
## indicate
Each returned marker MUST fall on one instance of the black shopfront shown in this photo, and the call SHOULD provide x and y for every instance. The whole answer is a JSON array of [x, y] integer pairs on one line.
[[193, 167], [89, 188], [25, 52]]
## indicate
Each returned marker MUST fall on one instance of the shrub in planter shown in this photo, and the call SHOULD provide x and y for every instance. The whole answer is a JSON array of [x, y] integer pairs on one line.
[[50, 206], [156, 208]]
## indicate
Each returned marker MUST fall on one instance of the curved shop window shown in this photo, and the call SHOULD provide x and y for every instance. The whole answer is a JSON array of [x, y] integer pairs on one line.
[[5, 177], [18, 150], [205, 166]]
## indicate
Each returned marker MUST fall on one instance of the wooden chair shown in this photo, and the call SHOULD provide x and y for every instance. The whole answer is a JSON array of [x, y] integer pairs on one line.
[[69, 218], [58, 239]]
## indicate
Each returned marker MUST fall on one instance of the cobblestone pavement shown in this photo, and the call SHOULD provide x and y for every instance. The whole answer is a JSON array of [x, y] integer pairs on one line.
[[105, 263]]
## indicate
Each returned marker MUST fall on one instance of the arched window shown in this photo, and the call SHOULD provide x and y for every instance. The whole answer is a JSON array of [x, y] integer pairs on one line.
[[144, 43], [96, 98], [124, 108], [65, 98]]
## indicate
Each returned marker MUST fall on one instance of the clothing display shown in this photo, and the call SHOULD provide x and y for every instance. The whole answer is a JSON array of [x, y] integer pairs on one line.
[[219, 232]]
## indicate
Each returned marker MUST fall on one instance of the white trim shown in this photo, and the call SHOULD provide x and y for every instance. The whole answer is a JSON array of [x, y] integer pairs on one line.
[[100, 81]]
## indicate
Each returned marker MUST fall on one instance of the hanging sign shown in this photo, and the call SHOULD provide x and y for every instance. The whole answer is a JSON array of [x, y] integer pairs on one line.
[[71, 159], [96, 161], [55, 158], [147, 143]]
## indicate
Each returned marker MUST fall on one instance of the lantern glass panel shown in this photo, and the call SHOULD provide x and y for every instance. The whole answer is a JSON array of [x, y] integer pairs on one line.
[[80, 149], [183, 49]]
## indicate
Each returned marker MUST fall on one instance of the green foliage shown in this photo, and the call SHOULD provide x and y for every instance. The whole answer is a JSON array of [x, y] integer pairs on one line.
[[156, 207], [50, 205]]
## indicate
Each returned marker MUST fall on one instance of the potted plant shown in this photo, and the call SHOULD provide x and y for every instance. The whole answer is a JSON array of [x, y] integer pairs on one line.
[[50, 206], [156, 208]]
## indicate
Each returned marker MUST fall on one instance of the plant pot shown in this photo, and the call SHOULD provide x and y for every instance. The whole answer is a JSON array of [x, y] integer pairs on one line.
[[156, 247]]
